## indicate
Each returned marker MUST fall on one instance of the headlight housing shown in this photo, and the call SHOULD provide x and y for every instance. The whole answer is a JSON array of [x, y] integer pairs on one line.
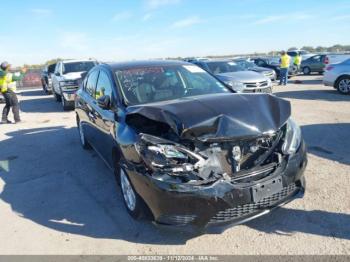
[[159, 154], [236, 86], [292, 139]]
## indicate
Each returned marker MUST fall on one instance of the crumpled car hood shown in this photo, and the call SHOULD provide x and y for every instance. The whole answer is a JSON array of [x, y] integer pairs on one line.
[[216, 116]]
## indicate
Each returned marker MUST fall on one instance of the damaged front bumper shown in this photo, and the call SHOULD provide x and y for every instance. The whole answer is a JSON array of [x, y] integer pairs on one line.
[[222, 202]]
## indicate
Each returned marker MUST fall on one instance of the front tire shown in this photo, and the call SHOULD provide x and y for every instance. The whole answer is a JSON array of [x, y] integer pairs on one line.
[[343, 85], [132, 201], [306, 70], [65, 104]]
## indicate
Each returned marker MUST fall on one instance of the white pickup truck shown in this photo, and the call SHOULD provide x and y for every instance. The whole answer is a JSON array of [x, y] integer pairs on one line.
[[66, 79]]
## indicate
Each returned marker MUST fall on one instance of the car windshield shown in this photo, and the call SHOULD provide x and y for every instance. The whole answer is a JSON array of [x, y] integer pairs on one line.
[[159, 83], [245, 64], [273, 60], [224, 67], [77, 67]]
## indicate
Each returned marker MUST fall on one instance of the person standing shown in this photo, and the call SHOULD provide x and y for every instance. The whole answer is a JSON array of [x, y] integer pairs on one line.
[[284, 66], [297, 62], [8, 89]]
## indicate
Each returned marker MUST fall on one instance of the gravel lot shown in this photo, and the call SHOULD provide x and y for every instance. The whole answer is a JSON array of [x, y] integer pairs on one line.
[[56, 198]]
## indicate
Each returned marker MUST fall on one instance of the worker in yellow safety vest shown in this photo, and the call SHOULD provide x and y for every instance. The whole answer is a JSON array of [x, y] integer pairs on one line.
[[284, 67], [297, 62], [8, 90]]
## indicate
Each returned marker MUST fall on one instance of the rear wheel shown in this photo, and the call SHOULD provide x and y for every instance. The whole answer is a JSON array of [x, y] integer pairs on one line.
[[306, 70], [343, 85]]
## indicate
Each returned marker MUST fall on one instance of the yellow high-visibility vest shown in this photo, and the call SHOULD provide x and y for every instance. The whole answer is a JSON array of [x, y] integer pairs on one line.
[[6, 83], [285, 61], [297, 60]]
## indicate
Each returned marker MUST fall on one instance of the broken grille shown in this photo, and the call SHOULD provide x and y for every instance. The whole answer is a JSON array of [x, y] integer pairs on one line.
[[247, 209]]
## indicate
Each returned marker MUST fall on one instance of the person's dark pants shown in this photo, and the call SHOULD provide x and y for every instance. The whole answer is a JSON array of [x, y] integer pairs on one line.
[[11, 101], [283, 76]]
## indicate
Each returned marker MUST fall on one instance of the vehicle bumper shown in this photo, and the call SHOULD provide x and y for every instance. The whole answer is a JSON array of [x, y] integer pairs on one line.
[[329, 78], [69, 96], [222, 203]]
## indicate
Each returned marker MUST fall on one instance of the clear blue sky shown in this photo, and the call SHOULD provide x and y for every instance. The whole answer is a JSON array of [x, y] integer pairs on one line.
[[38, 30]]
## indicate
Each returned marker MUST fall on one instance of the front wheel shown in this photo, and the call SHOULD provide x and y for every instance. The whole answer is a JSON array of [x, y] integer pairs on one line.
[[131, 199], [57, 96], [65, 104], [343, 85]]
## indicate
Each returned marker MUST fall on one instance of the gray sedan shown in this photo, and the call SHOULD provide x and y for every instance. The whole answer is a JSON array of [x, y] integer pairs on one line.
[[338, 76], [236, 77]]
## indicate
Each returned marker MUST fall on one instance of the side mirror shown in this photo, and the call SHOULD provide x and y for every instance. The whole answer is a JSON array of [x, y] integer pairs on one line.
[[104, 102]]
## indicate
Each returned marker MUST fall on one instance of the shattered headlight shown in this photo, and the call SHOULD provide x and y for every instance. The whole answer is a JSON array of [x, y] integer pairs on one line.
[[159, 154], [292, 138], [236, 86]]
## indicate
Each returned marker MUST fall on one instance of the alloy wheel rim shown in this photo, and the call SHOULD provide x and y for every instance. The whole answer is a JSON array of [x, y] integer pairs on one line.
[[128, 192], [344, 85]]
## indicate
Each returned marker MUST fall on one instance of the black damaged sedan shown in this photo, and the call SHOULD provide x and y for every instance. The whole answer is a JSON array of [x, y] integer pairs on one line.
[[185, 148]]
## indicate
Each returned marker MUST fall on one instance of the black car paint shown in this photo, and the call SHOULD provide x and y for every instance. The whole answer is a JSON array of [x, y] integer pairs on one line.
[[113, 138], [264, 62]]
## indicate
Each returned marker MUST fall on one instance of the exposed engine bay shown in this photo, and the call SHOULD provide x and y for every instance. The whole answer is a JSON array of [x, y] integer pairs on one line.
[[207, 162]]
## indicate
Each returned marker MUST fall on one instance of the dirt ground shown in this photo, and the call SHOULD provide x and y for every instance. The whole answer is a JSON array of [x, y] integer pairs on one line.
[[56, 198]]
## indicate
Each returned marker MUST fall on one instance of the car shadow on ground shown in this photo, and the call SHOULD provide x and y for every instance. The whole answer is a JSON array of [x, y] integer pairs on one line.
[[55, 183], [322, 94], [35, 92], [301, 81], [45, 104], [329, 141]]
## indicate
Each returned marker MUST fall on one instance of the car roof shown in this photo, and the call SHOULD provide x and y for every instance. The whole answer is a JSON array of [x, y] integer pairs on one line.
[[77, 60], [146, 63]]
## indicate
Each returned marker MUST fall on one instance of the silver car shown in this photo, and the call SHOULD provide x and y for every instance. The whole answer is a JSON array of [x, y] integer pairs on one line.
[[338, 76], [236, 77]]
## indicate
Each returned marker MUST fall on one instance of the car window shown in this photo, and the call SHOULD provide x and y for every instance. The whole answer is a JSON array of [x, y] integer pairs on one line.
[[91, 83], [159, 83], [316, 58], [104, 86], [72, 67], [223, 67], [51, 68], [260, 62]]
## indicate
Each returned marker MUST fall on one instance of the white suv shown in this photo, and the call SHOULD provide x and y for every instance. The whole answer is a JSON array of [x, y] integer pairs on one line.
[[66, 79]]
